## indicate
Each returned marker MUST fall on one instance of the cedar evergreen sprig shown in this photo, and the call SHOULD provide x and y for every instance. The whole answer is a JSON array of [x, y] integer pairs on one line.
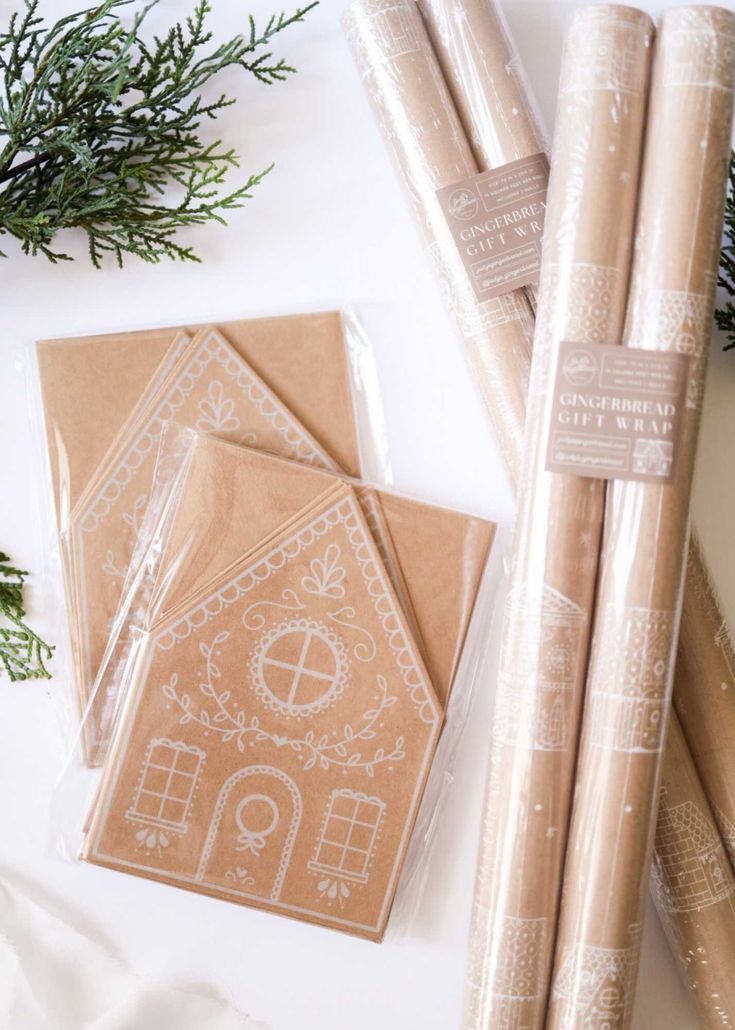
[[97, 124], [726, 316], [23, 654]]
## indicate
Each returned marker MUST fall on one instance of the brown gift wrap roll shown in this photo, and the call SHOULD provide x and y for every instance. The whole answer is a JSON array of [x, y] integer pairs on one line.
[[487, 81], [418, 119], [704, 692], [587, 252], [694, 886], [678, 233]]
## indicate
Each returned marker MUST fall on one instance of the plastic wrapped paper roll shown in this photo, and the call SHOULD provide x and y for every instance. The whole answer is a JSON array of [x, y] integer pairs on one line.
[[694, 886], [671, 303], [487, 82], [587, 252], [420, 123], [704, 692]]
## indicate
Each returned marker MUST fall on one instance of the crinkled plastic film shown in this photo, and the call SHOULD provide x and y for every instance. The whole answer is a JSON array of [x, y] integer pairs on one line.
[[694, 896], [184, 551], [629, 681], [588, 246], [423, 131], [306, 385], [491, 95], [487, 81]]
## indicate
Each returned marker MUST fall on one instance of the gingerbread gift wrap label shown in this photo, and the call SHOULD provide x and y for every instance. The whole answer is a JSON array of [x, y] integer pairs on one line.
[[211, 389], [277, 733]]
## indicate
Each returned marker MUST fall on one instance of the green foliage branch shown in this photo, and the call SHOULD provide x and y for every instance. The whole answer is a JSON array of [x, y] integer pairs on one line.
[[97, 123]]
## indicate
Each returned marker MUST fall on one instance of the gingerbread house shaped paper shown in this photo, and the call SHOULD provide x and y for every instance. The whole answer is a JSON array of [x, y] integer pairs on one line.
[[278, 733]]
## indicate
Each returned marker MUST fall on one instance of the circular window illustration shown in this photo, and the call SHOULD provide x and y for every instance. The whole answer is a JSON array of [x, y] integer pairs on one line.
[[299, 668]]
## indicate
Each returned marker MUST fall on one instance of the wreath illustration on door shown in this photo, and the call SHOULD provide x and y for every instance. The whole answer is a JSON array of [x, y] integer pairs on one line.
[[253, 828]]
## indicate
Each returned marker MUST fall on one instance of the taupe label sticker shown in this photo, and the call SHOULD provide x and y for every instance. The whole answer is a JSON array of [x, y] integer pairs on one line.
[[497, 221], [616, 412]]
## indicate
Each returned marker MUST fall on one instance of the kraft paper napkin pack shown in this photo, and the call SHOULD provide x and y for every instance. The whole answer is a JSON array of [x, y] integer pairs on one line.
[[438, 598], [421, 126], [279, 722], [89, 387], [694, 885], [210, 387], [487, 82], [103, 377], [704, 691], [547, 622], [678, 233]]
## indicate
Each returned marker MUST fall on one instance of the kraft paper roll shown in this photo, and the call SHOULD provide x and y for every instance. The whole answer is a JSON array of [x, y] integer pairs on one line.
[[644, 552], [419, 122], [583, 291], [694, 886], [704, 692], [487, 82]]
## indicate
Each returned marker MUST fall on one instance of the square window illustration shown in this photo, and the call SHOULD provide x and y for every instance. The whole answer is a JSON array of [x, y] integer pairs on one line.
[[348, 835], [167, 783]]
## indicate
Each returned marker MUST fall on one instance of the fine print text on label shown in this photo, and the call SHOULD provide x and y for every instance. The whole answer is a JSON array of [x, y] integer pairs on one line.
[[497, 221], [616, 412]]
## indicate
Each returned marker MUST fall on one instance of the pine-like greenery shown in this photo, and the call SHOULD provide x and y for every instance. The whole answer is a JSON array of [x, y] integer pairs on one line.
[[99, 124], [23, 654], [726, 315]]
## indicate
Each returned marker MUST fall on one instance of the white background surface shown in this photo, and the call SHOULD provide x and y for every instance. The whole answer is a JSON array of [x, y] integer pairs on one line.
[[329, 227]]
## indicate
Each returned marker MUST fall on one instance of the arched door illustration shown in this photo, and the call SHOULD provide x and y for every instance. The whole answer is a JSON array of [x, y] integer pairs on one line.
[[252, 832]]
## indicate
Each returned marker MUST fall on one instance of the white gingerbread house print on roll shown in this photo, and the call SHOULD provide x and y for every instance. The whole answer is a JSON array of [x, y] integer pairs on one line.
[[627, 697], [690, 862], [541, 645], [595, 985], [518, 984]]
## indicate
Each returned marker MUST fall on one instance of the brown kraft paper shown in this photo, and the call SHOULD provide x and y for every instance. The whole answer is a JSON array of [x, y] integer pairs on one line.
[[279, 723], [587, 252], [421, 126], [704, 691], [487, 82], [491, 95], [678, 232], [694, 886]]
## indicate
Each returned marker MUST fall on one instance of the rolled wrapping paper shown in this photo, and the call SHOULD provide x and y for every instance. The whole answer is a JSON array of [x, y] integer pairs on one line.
[[583, 291], [422, 128], [694, 886], [704, 692], [629, 680], [487, 81]]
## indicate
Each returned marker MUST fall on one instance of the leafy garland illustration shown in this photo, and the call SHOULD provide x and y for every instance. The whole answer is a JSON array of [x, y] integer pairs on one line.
[[98, 122], [237, 726], [23, 654]]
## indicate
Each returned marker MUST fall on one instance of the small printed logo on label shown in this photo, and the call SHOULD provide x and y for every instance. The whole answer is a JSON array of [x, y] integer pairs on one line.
[[616, 412], [497, 222], [463, 204]]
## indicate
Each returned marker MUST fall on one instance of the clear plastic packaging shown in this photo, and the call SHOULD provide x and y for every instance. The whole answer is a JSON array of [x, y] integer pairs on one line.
[[271, 673], [588, 246], [491, 95], [693, 884], [424, 133], [488, 83], [303, 386], [639, 597]]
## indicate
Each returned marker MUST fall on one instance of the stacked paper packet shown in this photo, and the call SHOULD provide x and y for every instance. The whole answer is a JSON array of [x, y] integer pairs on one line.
[[276, 661]]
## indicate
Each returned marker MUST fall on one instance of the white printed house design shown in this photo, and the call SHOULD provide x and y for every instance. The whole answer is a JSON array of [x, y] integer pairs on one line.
[[279, 735], [595, 985], [690, 867], [542, 644]]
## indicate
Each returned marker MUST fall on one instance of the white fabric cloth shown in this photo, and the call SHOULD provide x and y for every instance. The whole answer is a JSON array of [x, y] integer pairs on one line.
[[53, 977]]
